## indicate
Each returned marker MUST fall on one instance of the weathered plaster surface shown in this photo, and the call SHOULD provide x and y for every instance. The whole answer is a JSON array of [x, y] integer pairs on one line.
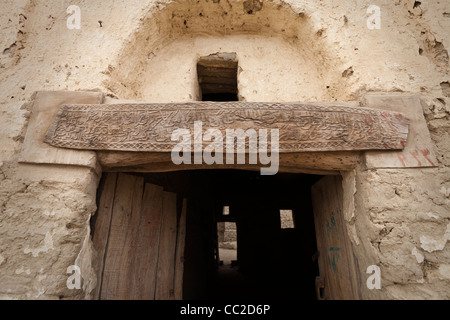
[[292, 50]]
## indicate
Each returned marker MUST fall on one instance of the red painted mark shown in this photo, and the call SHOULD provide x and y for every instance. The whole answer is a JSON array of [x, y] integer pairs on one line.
[[385, 118], [425, 153], [402, 158], [399, 117], [403, 143], [415, 154], [368, 121]]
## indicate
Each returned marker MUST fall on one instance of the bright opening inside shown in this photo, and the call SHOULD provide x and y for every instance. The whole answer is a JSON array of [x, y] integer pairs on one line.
[[287, 219]]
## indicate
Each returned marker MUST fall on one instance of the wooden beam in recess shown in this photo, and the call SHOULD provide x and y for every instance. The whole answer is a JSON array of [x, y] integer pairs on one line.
[[113, 161]]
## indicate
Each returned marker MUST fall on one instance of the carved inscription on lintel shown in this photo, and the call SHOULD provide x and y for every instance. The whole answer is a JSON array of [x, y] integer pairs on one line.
[[302, 127]]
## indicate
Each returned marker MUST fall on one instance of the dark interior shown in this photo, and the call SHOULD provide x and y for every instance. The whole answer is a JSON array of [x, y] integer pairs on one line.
[[220, 96], [273, 263], [217, 77]]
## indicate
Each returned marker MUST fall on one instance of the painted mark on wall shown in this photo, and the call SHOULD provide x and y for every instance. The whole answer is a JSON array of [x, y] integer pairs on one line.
[[426, 153], [333, 259], [330, 235], [420, 157], [331, 228], [415, 154]]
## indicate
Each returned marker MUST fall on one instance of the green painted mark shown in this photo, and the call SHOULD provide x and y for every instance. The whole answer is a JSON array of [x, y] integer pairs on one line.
[[333, 223], [333, 259]]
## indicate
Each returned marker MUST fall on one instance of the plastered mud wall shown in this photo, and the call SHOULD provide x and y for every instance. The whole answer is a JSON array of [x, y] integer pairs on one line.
[[398, 219]]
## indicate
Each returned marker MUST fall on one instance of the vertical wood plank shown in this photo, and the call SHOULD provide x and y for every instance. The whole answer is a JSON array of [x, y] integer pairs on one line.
[[179, 255], [122, 238], [102, 225], [147, 244], [166, 261], [336, 263], [321, 198]]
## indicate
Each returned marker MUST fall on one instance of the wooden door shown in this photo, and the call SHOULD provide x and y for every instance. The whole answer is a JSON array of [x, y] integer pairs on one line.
[[337, 280], [139, 237]]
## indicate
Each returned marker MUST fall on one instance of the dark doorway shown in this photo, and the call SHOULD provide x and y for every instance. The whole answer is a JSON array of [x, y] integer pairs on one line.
[[274, 256], [271, 216]]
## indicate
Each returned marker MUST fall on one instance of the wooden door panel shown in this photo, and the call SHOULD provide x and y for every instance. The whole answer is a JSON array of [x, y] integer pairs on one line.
[[165, 288], [147, 243], [179, 256], [102, 224], [336, 263], [118, 268], [139, 237]]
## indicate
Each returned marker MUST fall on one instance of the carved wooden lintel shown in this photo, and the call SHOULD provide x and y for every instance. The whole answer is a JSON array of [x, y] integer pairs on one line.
[[302, 127]]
